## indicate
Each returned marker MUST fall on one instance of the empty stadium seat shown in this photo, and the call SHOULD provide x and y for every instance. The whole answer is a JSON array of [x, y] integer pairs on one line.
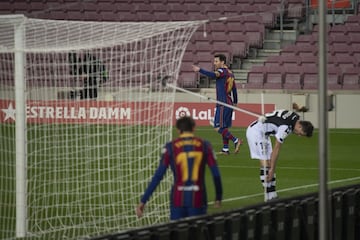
[[292, 220], [293, 77], [277, 230], [334, 78], [274, 77], [350, 79], [353, 20], [275, 60], [309, 219], [309, 39], [256, 77], [232, 226], [310, 78], [289, 60], [295, 9], [310, 60]]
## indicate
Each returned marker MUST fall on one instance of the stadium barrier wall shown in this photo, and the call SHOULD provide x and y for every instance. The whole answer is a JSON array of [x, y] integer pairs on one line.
[[293, 218], [341, 104]]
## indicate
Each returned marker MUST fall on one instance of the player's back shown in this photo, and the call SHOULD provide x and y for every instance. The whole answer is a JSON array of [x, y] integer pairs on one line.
[[189, 155]]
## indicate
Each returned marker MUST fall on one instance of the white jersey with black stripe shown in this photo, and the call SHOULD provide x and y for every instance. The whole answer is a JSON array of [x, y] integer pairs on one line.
[[280, 124]]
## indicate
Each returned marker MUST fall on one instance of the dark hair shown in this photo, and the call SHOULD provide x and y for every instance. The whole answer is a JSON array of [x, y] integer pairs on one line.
[[221, 57], [307, 128], [185, 124]]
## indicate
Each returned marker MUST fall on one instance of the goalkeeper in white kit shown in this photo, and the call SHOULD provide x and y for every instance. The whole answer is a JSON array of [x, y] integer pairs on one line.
[[279, 124]]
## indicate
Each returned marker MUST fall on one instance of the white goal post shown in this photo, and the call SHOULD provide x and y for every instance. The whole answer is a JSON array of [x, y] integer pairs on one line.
[[84, 113]]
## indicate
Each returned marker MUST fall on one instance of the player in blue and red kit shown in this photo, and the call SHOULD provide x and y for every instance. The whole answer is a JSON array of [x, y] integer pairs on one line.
[[225, 92], [187, 157]]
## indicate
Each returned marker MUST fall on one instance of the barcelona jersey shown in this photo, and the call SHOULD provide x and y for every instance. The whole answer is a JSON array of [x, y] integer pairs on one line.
[[225, 86], [187, 157]]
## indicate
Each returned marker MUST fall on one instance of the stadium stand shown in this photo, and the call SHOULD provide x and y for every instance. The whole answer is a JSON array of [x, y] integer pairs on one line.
[[245, 28]]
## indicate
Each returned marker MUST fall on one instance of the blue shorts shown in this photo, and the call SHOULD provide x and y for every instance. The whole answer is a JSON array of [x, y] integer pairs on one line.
[[223, 117], [182, 212]]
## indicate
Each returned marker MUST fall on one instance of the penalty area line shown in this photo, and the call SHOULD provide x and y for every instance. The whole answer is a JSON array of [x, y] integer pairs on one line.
[[288, 189]]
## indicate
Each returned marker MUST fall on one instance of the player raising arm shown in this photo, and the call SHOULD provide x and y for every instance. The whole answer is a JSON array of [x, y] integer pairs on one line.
[[187, 157], [279, 124], [226, 92]]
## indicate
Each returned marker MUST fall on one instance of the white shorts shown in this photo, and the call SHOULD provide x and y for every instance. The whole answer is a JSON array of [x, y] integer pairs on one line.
[[260, 146]]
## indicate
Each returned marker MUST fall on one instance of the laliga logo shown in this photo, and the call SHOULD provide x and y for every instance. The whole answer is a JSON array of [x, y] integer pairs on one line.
[[182, 112]]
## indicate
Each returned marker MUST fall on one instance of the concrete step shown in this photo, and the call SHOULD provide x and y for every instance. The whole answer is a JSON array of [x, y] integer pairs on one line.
[[286, 34], [247, 63], [272, 44], [241, 75], [268, 52]]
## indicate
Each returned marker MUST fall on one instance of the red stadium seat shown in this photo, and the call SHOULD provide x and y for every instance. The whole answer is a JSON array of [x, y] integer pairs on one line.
[[350, 80], [289, 60], [274, 77], [293, 77], [308, 60], [334, 78], [274, 61], [256, 77], [310, 78]]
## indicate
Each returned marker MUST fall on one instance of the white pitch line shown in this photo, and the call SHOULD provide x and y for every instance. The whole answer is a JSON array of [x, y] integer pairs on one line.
[[295, 168], [288, 189]]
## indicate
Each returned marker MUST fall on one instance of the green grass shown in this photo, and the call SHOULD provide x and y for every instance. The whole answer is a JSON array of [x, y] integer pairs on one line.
[[297, 170], [297, 167]]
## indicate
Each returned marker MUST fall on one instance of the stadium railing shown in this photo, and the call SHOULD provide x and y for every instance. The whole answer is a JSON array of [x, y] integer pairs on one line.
[[293, 218]]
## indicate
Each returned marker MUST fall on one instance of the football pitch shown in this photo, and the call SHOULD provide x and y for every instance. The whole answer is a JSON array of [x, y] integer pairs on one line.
[[297, 167]]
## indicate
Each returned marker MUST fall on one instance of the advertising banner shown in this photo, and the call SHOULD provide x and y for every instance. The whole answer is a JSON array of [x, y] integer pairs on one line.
[[111, 112]]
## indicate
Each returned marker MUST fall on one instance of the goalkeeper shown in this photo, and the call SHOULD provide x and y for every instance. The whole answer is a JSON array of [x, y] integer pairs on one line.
[[187, 156]]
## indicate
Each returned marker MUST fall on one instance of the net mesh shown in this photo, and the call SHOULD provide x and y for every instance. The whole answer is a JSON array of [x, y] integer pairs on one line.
[[97, 115]]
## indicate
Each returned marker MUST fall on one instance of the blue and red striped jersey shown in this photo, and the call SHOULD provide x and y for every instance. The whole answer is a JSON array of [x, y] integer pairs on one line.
[[187, 157], [225, 87]]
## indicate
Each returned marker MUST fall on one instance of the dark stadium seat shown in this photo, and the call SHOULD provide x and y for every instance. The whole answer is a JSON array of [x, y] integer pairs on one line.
[[180, 230], [349, 214], [292, 220], [277, 230], [250, 223], [308, 221], [263, 222], [232, 225], [216, 227]]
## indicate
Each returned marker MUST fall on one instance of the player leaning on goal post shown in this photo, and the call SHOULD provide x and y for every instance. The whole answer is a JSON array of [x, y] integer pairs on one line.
[[226, 92], [187, 157], [279, 124]]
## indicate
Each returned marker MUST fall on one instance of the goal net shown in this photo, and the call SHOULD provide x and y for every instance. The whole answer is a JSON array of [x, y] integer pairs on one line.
[[84, 114]]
